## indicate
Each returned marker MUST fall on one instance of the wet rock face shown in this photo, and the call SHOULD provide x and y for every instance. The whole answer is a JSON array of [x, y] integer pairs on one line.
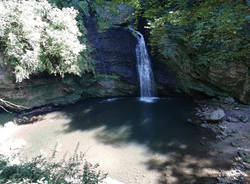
[[39, 91], [234, 78], [115, 54], [32, 93], [230, 79], [166, 83], [114, 50], [114, 47]]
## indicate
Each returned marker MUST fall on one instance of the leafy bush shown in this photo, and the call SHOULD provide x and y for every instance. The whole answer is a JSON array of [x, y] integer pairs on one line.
[[45, 171], [37, 37], [216, 31]]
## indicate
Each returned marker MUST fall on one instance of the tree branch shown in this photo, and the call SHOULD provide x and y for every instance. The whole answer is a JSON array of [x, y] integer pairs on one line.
[[8, 106]]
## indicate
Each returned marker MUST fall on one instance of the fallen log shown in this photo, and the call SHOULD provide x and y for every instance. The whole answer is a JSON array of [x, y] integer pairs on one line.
[[11, 107]]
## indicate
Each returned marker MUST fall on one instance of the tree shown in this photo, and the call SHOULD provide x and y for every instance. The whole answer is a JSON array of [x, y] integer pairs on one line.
[[37, 37]]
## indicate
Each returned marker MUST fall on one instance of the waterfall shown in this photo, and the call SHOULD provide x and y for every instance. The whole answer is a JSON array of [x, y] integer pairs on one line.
[[146, 77]]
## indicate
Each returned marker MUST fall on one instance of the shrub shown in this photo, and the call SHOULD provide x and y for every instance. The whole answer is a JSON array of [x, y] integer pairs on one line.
[[46, 171], [37, 37]]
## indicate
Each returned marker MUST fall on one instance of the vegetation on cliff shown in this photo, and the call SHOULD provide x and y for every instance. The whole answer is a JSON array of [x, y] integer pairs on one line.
[[217, 31], [205, 43]]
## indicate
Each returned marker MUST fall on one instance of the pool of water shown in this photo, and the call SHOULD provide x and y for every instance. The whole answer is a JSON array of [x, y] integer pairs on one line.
[[135, 140], [5, 117], [158, 123]]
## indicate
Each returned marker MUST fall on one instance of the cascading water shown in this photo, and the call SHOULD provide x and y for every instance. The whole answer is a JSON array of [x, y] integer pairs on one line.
[[146, 77]]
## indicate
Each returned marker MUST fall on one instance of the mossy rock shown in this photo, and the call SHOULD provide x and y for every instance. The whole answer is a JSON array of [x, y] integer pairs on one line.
[[41, 90]]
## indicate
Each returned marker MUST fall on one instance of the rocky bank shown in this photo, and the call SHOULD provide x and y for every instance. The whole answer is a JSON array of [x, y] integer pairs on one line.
[[230, 122]]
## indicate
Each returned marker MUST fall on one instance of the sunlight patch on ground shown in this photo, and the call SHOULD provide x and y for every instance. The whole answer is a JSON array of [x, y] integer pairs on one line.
[[10, 147], [7, 130], [178, 168], [109, 180]]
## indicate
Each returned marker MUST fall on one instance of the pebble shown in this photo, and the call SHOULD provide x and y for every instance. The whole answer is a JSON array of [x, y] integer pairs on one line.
[[244, 119], [234, 144], [189, 120], [232, 119]]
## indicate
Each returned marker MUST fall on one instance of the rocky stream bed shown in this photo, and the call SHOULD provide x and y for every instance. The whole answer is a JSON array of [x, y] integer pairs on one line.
[[231, 124]]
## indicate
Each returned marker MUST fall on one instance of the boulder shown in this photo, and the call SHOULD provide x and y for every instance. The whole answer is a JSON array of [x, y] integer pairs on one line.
[[229, 100], [215, 116]]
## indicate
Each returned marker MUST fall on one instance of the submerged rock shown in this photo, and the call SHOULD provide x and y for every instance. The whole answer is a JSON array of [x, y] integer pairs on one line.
[[189, 120], [229, 100]]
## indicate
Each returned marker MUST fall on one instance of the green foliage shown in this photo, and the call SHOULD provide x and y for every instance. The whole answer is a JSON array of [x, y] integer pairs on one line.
[[36, 37], [42, 170], [83, 7], [110, 13], [219, 32], [216, 30]]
